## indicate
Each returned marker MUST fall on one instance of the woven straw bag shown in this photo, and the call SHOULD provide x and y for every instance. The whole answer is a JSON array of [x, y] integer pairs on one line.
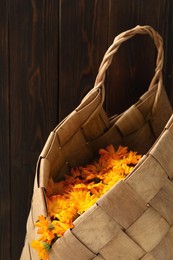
[[134, 220]]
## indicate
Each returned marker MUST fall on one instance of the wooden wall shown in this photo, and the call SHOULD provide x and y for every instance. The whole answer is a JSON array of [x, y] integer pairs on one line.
[[50, 52]]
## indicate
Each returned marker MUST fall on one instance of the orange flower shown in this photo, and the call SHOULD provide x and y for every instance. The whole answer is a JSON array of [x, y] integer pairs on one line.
[[96, 189], [55, 204], [60, 228], [42, 248], [61, 208], [75, 172], [131, 158], [83, 200], [121, 152], [89, 170], [45, 229], [80, 187], [111, 178]]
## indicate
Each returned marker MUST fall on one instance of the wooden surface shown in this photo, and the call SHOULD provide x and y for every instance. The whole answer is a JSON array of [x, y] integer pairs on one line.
[[50, 52], [33, 95], [5, 193]]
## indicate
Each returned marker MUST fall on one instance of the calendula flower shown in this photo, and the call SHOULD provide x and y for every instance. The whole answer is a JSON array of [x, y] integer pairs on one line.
[[89, 171], [96, 188], [131, 158], [109, 154], [83, 200], [126, 169], [75, 172], [60, 227], [56, 188], [80, 187], [111, 183], [110, 178], [71, 197], [42, 249], [44, 229], [68, 214], [60, 207], [121, 152]]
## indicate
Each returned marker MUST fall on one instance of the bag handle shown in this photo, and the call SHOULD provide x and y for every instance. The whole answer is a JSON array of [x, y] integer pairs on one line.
[[107, 59]]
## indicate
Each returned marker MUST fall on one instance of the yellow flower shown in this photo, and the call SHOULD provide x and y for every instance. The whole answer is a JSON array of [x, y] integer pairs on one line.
[[121, 152], [131, 158], [111, 178], [45, 229], [55, 187], [60, 227], [80, 186], [83, 200], [56, 204], [61, 208], [126, 169], [96, 189], [69, 214], [42, 248], [75, 172], [89, 171]]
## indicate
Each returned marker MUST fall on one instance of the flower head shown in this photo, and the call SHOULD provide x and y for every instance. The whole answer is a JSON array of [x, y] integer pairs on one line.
[[44, 229], [61, 208], [60, 227], [42, 249], [83, 200]]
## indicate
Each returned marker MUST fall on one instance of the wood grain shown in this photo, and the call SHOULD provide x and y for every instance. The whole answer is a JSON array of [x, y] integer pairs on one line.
[[83, 41], [5, 200], [166, 30], [33, 78]]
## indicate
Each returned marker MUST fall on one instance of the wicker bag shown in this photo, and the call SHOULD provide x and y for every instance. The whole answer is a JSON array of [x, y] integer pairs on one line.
[[133, 220]]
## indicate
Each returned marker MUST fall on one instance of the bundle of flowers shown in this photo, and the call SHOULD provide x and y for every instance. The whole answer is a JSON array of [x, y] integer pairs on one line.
[[71, 197]]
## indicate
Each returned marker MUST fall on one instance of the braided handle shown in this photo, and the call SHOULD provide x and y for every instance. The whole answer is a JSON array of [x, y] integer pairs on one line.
[[107, 59]]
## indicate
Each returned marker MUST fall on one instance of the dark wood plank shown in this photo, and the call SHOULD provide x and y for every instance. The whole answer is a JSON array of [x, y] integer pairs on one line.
[[133, 67], [33, 83], [83, 41], [166, 30], [4, 136], [51, 52]]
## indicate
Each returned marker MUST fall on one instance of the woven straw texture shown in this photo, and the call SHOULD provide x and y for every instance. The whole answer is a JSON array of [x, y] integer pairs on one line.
[[134, 220]]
